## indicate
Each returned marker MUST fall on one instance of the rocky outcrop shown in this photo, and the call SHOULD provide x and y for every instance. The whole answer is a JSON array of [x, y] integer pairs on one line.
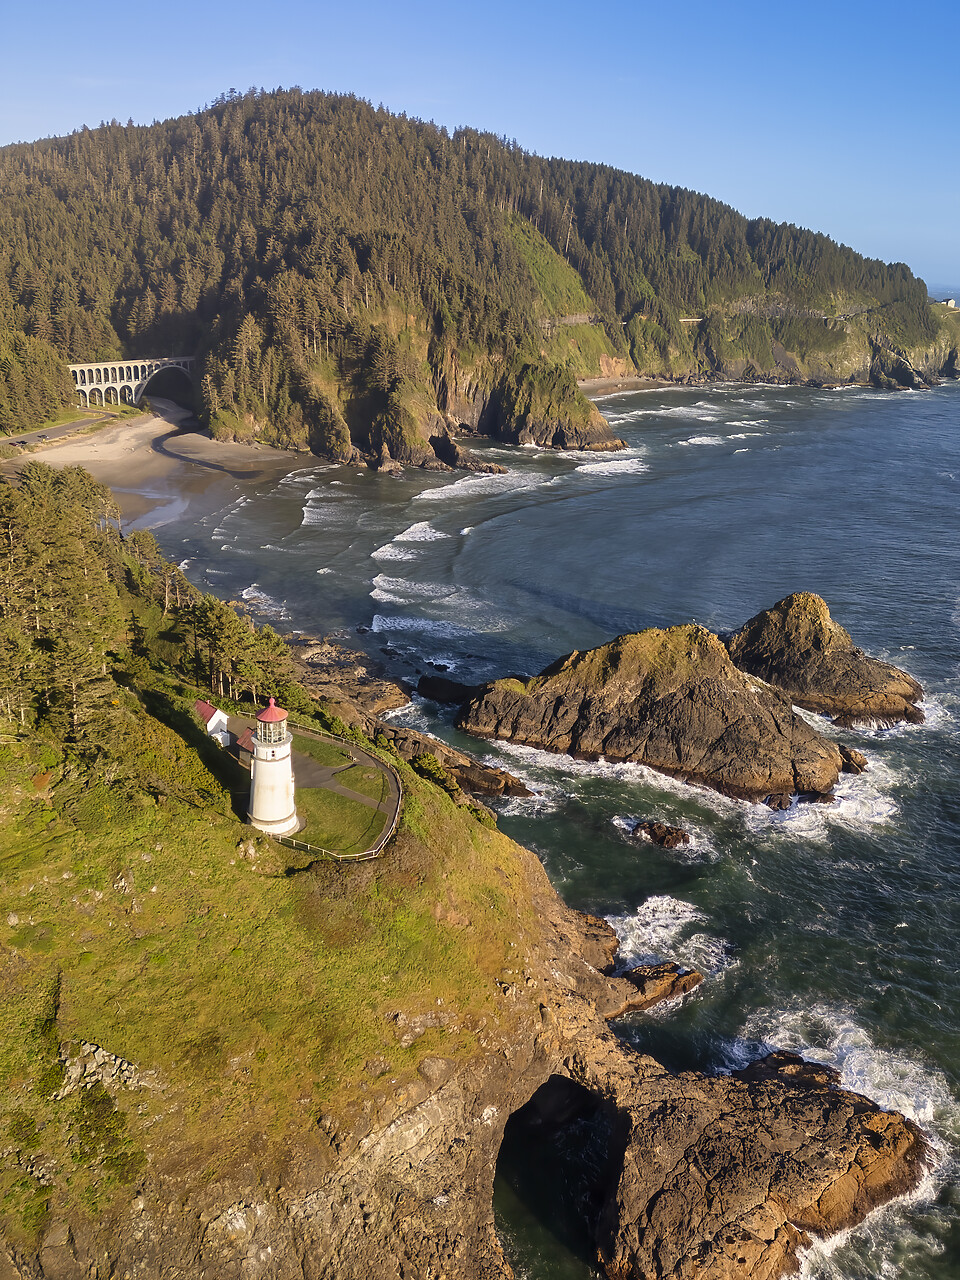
[[798, 647], [335, 674], [661, 833], [670, 699], [730, 1177], [527, 404], [469, 773], [353, 688]]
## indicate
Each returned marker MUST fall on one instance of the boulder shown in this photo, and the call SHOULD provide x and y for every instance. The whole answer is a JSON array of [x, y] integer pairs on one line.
[[671, 699], [660, 833], [798, 647]]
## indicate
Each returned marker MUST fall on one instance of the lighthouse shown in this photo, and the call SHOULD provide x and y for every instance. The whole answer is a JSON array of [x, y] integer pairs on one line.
[[272, 806]]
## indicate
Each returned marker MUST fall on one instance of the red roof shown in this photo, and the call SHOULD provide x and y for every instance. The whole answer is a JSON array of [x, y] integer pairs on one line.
[[271, 712], [204, 710], [245, 741]]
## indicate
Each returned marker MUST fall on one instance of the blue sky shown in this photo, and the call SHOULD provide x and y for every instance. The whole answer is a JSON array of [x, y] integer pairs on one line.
[[837, 116]]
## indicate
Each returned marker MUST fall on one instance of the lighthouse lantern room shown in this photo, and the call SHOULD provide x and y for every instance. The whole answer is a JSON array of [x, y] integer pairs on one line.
[[272, 805]]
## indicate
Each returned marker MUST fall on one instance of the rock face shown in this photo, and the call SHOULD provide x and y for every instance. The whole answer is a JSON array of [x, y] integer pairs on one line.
[[798, 647], [670, 699], [705, 1177], [729, 1177]]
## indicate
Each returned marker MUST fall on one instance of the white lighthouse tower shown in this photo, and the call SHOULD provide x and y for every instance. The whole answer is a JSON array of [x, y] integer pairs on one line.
[[272, 806]]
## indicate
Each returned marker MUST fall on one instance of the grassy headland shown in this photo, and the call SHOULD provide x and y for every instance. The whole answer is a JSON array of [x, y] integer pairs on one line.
[[233, 1003]]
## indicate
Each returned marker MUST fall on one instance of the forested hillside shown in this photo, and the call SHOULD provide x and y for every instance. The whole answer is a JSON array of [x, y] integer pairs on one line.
[[81, 608], [355, 279]]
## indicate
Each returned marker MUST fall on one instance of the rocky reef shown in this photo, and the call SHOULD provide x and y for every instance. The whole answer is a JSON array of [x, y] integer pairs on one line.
[[798, 647], [670, 699]]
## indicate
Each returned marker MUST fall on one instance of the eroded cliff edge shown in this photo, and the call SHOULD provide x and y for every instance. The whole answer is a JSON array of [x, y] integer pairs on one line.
[[338, 1122]]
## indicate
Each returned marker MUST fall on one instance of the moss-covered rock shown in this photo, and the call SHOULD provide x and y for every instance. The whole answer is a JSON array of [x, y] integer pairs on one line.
[[798, 647], [670, 699]]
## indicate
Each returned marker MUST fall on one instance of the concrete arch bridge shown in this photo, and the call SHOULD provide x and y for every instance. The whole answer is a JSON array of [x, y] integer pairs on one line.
[[122, 381]]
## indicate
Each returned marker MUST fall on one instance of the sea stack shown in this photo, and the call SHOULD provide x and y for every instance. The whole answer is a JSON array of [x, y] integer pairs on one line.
[[670, 699], [798, 647]]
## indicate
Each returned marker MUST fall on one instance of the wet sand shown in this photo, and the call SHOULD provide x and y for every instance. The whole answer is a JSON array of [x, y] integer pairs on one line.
[[159, 471]]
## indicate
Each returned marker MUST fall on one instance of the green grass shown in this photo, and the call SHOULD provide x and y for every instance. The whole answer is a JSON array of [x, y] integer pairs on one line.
[[560, 286], [336, 823], [138, 924], [367, 780], [326, 753]]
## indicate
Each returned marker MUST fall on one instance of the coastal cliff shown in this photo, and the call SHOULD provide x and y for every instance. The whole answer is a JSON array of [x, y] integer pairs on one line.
[[349, 1124], [368, 287], [217, 1061]]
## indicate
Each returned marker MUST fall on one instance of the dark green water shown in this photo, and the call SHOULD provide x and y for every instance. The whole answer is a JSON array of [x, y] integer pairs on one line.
[[828, 930]]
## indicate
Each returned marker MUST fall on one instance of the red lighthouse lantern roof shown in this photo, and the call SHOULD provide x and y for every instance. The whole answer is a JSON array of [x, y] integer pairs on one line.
[[271, 712]]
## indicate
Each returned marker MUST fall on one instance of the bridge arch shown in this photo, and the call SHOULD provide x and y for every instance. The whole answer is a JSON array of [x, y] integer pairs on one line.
[[124, 382]]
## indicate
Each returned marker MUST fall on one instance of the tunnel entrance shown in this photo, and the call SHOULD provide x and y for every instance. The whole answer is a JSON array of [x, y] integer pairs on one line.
[[552, 1173], [172, 383]]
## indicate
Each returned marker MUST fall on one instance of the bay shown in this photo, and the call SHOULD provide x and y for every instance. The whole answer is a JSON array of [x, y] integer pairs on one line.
[[828, 930]]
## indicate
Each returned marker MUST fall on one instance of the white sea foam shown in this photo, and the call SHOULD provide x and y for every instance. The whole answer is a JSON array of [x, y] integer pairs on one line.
[[863, 802], [666, 929], [263, 603], [321, 513], [422, 531], [614, 467], [532, 763], [701, 411], [324, 571], [483, 485], [465, 530], [702, 440], [390, 551], [413, 590], [448, 630], [831, 1034]]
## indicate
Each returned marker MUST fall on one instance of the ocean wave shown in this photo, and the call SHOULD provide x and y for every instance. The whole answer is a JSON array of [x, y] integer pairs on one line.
[[831, 1034], [415, 590], [667, 929], [701, 411], [614, 467], [324, 571], [532, 763], [482, 486], [702, 440], [863, 802], [322, 513], [263, 603], [390, 551], [448, 630], [422, 531]]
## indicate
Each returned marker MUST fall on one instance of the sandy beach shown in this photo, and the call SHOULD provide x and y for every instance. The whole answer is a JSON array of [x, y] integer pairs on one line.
[[158, 471]]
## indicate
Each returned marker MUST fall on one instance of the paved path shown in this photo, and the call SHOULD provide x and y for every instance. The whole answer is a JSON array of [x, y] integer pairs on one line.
[[310, 773]]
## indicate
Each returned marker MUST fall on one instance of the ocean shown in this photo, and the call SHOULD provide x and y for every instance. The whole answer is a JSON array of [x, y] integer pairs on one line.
[[828, 930]]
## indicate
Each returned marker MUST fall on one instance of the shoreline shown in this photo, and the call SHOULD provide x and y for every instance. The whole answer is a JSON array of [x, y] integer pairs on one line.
[[155, 468]]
